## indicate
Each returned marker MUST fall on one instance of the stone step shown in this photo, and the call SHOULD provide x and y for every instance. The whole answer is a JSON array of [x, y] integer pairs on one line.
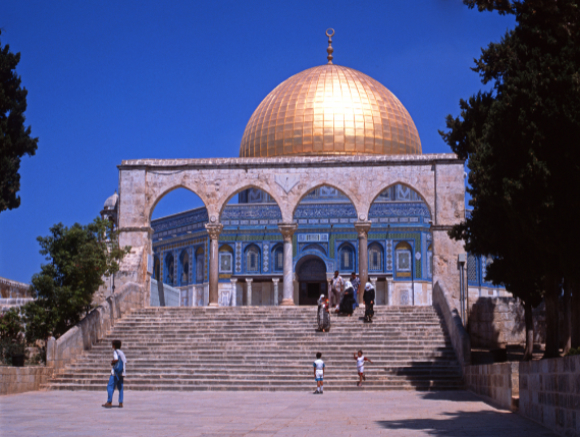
[[260, 348]]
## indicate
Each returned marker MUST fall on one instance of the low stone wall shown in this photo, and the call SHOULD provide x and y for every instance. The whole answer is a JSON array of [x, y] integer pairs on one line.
[[457, 333], [20, 379], [550, 393], [93, 327], [497, 383]]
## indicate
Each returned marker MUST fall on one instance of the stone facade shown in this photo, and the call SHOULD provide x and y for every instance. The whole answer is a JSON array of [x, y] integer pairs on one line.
[[438, 179], [550, 393], [21, 379]]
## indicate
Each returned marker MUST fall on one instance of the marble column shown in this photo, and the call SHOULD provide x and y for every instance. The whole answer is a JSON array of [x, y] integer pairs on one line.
[[249, 291], [234, 282], [362, 228], [214, 230], [276, 281], [390, 285], [287, 230]]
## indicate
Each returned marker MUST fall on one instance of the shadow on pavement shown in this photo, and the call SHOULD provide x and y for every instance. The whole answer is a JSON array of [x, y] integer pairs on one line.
[[472, 423]]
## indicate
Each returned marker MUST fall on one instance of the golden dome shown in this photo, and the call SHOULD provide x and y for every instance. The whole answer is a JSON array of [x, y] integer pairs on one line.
[[330, 110]]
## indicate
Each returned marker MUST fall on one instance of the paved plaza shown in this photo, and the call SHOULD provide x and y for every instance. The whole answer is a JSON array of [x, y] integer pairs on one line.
[[394, 413]]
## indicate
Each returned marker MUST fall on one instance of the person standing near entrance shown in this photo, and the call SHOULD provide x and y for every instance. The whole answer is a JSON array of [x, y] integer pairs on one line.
[[337, 286], [355, 281]]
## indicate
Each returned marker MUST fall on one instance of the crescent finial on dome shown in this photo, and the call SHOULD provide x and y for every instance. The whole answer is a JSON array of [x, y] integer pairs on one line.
[[330, 34]]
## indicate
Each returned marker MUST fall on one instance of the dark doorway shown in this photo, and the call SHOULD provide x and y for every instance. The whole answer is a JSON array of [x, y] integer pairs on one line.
[[311, 273]]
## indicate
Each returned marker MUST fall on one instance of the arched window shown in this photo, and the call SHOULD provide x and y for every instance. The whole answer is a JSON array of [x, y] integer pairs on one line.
[[199, 264], [168, 269], [226, 260], [375, 257], [346, 258], [183, 270], [252, 259], [430, 261], [403, 257], [278, 255]]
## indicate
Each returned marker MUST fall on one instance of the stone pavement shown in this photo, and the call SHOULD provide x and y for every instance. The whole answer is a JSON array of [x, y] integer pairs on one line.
[[211, 413]]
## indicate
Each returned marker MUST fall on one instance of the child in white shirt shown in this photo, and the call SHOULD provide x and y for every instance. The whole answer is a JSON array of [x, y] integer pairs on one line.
[[360, 366], [319, 374]]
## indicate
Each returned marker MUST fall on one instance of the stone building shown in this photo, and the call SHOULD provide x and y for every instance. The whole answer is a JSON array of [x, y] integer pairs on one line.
[[330, 176]]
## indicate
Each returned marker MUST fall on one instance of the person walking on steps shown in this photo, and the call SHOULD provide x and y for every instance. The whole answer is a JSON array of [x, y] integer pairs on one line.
[[360, 366], [355, 281], [117, 375], [319, 374], [336, 288], [369, 299]]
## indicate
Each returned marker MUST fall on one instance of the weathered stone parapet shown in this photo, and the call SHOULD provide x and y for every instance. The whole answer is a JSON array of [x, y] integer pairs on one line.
[[81, 337], [550, 393], [497, 383], [22, 379], [457, 333]]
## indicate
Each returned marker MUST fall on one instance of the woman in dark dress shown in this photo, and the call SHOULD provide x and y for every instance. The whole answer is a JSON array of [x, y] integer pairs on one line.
[[369, 299], [347, 302]]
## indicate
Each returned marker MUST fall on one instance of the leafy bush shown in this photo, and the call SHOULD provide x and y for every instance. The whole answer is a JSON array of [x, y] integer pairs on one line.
[[11, 339], [574, 351]]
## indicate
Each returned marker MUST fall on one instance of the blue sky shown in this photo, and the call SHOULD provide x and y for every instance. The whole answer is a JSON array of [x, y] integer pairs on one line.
[[109, 81]]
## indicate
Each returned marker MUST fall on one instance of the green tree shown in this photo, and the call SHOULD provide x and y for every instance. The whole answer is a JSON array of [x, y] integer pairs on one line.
[[79, 257], [521, 141], [15, 139]]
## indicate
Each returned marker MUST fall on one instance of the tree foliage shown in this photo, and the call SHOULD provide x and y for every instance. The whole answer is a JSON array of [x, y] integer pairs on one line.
[[78, 257], [522, 143], [15, 139]]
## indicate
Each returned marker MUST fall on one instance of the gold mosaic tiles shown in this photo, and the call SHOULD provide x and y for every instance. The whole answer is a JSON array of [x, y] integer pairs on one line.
[[330, 110]]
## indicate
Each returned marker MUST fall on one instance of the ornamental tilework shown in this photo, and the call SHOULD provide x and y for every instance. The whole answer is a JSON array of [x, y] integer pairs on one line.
[[389, 255], [266, 257], [238, 256]]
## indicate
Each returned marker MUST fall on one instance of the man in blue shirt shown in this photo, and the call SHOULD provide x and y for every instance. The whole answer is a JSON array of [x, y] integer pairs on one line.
[[355, 281]]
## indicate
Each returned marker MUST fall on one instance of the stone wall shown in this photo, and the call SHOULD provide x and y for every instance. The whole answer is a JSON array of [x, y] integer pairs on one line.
[[550, 393], [93, 327], [497, 383], [443, 303], [20, 379], [495, 322]]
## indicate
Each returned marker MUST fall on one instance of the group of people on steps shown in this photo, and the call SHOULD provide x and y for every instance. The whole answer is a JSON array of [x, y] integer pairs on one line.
[[343, 295]]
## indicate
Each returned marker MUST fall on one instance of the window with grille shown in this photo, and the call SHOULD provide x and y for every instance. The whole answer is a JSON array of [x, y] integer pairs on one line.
[[375, 258], [226, 259], [278, 259], [403, 260], [346, 258], [430, 263], [252, 259], [472, 269], [199, 270]]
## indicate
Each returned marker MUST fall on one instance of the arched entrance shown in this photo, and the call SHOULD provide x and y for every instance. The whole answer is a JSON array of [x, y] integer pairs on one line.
[[311, 275]]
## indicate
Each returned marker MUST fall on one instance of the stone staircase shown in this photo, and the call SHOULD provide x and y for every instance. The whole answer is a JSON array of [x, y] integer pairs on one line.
[[270, 348]]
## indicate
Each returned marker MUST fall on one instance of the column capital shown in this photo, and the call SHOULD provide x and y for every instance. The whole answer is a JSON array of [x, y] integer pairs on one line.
[[275, 280], [214, 230], [233, 280], [249, 280], [287, 230], [362, 227]]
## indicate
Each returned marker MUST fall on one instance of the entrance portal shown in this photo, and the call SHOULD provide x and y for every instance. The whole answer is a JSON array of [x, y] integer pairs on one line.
[[311, 273]]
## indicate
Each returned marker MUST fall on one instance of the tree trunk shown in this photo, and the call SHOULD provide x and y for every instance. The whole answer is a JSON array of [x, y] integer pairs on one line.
[[567, 334], [552, 318], [575, 335], [529, 351]]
